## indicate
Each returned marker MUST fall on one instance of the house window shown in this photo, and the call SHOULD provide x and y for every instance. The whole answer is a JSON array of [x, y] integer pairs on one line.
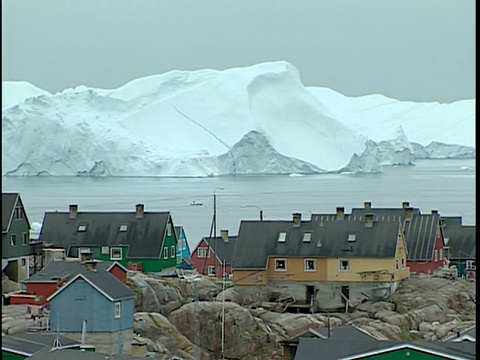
[[282, 237], [440, 254], [403, 263], [18, 213], [203, 252], [396, 264], [184, 245], [105, 250], [118, 310], [435, 255], [116, 253], [123, 228], [343, 265], [169, 229], [310, 265], [23, 262], [280, 265], [211, 271], [307, 237], [83, 250], [82, 228], [469, 265], [352, 237], [173, 253], [13, 240], [24, 238], [165, 253]]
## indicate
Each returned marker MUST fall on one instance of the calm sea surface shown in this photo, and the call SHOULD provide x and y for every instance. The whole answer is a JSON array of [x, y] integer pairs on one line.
[[444, 185]]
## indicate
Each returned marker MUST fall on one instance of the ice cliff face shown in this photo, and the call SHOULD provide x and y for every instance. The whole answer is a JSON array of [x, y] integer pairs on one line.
[[254, 120]]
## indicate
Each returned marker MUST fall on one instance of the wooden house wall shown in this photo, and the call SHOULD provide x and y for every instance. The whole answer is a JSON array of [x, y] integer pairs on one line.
[[91, 305]]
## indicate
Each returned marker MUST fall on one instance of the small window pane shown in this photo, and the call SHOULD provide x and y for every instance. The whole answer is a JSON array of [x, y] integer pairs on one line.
[[344, 265], [165, 253], [307, 237], [352, 237], [310, 265], [173, 252], [13, 240], [82, 228], [116, 253], [118, 312], [282, 237], [211, 271], [104, 250], [280, 265], [123, 228]]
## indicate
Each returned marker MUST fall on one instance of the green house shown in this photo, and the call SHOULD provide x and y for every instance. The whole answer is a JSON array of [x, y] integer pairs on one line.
[[139, 240], [331, 349], [16, 248]]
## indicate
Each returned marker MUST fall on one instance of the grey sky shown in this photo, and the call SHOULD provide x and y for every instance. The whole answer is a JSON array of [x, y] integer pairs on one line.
[[420, 50]]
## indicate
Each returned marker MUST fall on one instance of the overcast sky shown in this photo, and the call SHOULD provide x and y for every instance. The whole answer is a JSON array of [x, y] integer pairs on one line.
[[420, 50]]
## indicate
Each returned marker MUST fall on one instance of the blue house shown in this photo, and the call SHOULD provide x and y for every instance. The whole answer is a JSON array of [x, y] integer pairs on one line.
[[183, 249], [99, 304]]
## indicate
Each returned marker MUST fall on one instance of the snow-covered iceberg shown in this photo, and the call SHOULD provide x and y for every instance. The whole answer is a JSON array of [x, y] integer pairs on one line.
[[253, 120]]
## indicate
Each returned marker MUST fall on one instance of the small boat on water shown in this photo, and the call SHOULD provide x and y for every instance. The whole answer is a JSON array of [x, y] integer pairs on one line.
[[196, 203]]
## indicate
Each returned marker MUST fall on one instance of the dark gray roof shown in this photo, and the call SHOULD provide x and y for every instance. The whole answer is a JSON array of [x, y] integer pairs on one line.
[[420, 231], [64, 270], [349, 332], [257, 240], [461, 240], [104, 282], [222, 249], [9, 201], [62, 354], [144, 236], [31, 343], [332, 349]]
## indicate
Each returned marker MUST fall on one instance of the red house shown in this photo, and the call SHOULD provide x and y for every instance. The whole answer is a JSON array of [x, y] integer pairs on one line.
[[213, 256], [52, 276]]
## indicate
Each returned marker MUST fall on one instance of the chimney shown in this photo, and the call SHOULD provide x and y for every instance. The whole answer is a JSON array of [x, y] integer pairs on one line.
[[91, 265], [408, 212], [73, 211], [224, 235], [340, 212], [139, 210], [405, 204], [297, 219], [434, 212], [368, 220], [367, 205]]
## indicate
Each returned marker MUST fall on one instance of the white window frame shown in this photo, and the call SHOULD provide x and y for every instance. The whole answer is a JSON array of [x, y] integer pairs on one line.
[[82, 228], [116, 248], [24, 239], [123, 228], [173, 251], [282, 237], [352, 238], [23, 262], [305, 267], [211, 271], [13, 240], [440, 254], [277, 263], [307, 236], [403, 263], [105, 250], [203, 252], [340, 267], [397, 265], [18, 213], [469, 264], [435, 255], [169, 229], [165, 253], [118, 310]]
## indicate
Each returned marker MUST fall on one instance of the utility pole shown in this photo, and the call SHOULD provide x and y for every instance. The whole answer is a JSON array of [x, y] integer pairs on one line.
[[214, 226]]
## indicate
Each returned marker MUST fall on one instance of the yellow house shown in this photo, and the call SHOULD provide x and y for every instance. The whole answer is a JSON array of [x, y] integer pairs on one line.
[[323, 264]]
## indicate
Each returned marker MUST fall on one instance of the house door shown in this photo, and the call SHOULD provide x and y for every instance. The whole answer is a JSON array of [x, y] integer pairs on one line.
[[310, 294]]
